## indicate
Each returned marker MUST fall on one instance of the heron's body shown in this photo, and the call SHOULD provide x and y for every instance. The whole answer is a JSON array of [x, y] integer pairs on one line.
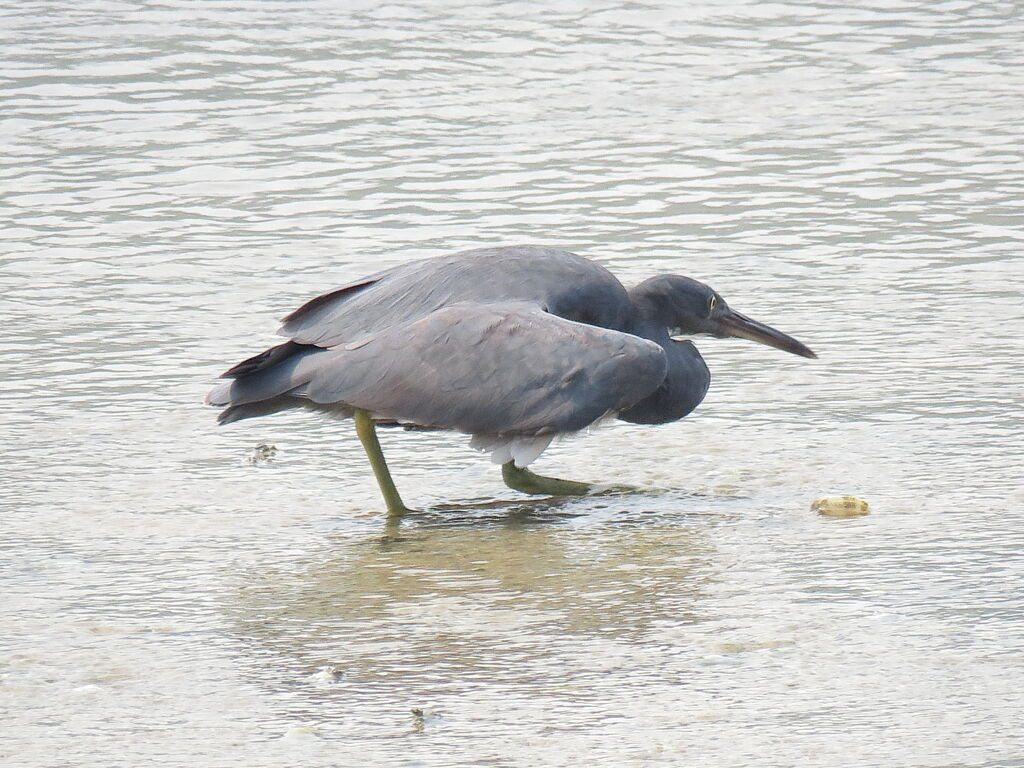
[[511, 345]]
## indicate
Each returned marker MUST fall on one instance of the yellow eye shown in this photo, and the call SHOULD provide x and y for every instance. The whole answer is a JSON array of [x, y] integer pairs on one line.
[[712, 303]]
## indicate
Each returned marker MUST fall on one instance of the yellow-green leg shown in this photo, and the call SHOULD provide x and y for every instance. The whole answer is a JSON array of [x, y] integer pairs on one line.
[[525, 481], [522, 479], [368, 437]]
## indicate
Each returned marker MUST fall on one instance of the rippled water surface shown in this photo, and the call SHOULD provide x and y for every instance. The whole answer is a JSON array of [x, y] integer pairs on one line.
[[177, 175]]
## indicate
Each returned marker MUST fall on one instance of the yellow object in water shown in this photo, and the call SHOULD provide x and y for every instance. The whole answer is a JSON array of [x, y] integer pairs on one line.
[[840, 506]]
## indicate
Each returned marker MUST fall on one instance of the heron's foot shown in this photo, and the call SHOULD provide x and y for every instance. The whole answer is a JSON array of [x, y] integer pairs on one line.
[[525, 481], [398, 510]]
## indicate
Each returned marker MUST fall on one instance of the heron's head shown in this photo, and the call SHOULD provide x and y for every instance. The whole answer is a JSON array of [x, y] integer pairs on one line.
[[687, 307]]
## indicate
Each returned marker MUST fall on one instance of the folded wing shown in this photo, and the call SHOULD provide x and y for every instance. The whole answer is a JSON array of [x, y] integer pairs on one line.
[[487, 369], [563, 283]]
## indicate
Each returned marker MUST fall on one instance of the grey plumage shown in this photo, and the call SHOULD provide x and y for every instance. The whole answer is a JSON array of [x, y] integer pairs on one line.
[[559, 282], [500, 343], [456, 368]]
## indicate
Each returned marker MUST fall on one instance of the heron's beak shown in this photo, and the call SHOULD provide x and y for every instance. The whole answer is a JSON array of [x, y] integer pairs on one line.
[[733, 323]]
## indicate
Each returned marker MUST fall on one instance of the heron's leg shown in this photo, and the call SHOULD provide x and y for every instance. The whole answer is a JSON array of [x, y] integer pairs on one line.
[[522, 479], [368, 437]]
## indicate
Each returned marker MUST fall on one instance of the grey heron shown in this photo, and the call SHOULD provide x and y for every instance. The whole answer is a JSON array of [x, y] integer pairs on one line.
[[511, 345]]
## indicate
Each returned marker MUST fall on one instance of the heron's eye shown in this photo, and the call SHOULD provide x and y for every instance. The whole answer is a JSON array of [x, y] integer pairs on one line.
[[712, 304]]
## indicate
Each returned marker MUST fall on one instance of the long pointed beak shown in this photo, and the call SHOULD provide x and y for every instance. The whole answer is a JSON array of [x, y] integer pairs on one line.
[[734, 324]]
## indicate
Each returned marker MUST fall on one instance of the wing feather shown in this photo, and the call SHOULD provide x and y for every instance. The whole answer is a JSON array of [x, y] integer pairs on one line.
[[490, 369], [564, 283]]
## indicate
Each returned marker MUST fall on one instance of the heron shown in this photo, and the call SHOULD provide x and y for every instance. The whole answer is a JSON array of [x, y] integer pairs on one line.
[[511, 345]]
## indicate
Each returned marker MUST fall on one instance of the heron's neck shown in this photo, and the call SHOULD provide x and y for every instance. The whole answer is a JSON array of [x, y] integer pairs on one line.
[[687, 379], [651, 315]]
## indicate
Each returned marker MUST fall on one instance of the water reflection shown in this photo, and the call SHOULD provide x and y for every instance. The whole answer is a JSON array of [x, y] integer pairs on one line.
[[476, 597], [177, 177]]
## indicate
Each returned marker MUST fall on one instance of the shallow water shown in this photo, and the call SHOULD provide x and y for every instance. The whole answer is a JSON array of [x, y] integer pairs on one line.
[[176, 176]]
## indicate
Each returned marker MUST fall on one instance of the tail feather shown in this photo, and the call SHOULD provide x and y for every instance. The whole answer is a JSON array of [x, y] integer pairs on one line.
[[219, 395], [266, 359], [269, 384], [283, 403], [253, 410]]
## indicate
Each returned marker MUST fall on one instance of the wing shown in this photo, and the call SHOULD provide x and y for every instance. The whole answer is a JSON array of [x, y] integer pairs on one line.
[[489, 369], [560, 282]]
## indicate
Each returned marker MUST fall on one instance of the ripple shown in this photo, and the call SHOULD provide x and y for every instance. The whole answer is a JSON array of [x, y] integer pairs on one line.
[[176, 176]]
